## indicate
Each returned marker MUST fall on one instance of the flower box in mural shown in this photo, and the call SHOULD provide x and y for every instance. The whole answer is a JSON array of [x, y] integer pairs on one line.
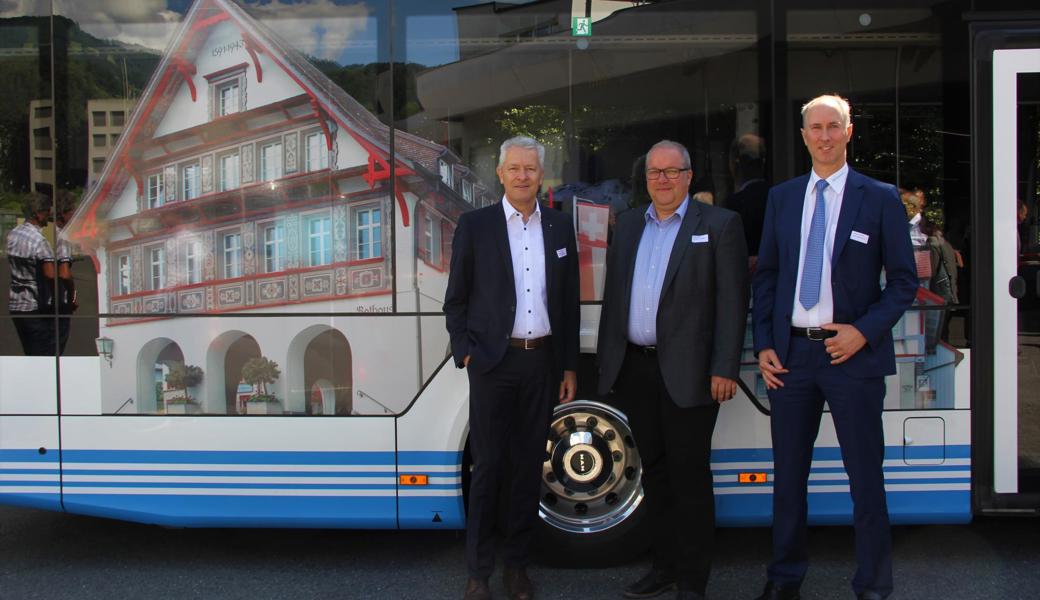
[[246, 182]]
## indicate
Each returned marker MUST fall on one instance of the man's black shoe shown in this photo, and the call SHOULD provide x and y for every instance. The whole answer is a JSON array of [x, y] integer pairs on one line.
[[477, 589], [518, 584], [654, 583], [780, 592]]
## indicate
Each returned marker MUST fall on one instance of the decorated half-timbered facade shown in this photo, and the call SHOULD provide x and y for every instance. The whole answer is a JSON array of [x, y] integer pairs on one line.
[[248, 183]]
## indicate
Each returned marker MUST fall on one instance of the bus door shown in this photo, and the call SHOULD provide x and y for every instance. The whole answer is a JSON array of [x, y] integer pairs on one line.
[[1009, 479]]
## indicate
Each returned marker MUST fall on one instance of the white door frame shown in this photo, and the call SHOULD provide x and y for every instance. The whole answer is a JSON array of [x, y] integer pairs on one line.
[[1007, 64]]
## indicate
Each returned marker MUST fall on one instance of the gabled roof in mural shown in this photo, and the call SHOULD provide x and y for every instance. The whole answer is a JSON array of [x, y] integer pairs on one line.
[[177, 69]]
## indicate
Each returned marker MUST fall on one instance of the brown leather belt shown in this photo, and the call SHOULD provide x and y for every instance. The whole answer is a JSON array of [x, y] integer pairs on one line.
[[816, 334], [532, 344]]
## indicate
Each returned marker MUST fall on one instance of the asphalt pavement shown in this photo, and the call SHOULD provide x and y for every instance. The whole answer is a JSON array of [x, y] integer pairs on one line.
[[53, 555]]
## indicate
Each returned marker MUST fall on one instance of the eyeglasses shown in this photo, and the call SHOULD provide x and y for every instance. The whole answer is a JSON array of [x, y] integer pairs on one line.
[[673, 173]]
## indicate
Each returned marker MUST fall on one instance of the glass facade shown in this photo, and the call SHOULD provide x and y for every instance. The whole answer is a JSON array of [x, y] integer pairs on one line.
[[275, 159]]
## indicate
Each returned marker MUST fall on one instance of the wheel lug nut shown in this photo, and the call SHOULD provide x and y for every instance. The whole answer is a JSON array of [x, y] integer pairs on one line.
[[569, 423], [617, 456], [580, 508], [611, 499], [550, 477], [630, 473], [609, 435], [591, 422]]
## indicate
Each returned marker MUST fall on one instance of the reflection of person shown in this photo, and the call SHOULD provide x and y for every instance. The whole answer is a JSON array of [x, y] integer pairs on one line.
[[512, 315], [1023, 214], [31, 299], [67, 302], [747, 164], [670, 338], [823, 332]]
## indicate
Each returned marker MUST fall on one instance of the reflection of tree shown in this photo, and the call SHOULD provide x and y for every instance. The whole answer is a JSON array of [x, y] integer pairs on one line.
[[182, 377], [259, 372]]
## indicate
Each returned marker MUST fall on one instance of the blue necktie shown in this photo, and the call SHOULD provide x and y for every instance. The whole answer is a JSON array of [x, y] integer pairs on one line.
[[812, 271]]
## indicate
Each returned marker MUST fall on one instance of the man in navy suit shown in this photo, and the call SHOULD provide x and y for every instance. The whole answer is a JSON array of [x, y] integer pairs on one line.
[[823, 332], [512, 314]]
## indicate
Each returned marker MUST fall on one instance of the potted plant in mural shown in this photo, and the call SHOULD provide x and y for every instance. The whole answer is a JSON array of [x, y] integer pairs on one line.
[[259, 372], [177, 398]]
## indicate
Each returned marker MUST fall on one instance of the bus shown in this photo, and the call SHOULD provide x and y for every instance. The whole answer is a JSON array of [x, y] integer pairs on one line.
[[264, 199]]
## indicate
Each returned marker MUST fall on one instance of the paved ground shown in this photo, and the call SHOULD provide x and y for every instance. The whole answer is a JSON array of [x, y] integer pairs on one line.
[[49, 555]]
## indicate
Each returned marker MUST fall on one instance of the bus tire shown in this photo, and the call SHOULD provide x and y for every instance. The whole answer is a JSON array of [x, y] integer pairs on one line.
[[591, 508]]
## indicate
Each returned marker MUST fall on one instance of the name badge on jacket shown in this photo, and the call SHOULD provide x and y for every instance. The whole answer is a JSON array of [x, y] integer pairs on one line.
[[561, 253], [699, 239], [860, 237]]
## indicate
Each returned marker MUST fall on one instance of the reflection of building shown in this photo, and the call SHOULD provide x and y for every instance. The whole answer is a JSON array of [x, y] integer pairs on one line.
[[41, 146], [106, 119], [247, 182]]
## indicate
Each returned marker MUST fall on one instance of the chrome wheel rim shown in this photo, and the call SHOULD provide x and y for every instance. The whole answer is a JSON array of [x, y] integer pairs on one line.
[[591, 474]]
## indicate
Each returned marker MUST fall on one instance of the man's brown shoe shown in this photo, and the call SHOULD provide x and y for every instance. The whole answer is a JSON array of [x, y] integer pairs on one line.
[[477, 589], [518, 584]]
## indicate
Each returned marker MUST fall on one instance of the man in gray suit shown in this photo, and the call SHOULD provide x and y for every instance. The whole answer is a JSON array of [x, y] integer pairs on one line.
[[670, 338]]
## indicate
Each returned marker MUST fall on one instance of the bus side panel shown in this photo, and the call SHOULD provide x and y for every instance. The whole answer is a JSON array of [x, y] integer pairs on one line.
[[232, 471], [30, 467], [925, 482], [431, 440]]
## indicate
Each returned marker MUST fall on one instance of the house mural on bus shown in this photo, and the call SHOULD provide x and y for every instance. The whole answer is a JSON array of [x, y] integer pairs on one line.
[[248, 185]]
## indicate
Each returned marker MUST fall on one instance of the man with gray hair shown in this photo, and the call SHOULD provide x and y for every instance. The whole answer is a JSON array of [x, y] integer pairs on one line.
[[31, 299], [512, 314], [671, 333]]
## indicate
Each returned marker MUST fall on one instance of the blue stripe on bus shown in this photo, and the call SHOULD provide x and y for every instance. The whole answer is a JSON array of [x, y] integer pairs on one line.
[[32, 500], [745, 455], [432, 457], [356, 512], [198, 473], [27, 455], [243, 457], [888, 469], [845, 481], [923, 507], [390, 487]]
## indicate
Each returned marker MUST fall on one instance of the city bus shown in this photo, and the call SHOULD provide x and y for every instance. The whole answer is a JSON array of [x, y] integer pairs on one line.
[[265, 197]]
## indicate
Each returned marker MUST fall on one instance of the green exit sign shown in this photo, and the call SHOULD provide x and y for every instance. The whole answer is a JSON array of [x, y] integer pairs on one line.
[[581, 26]]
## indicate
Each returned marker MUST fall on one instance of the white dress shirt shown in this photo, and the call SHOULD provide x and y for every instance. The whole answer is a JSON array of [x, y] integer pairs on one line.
[[823, 312], [528, 254]]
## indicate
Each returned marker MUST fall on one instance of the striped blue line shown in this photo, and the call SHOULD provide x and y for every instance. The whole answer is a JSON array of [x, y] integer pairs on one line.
[[26, 455], [826, 482], [30, 471], [244, 457], [419, 457], [893, 469], [741, 455], [196, 473], [251, 486], [29, 483]]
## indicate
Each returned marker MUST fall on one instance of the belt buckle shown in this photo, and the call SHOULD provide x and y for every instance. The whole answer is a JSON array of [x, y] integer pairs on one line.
[[815, 334], [526, 346]]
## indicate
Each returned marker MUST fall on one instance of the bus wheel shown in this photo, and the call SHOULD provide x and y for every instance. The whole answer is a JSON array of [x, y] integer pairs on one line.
[[591, 504]]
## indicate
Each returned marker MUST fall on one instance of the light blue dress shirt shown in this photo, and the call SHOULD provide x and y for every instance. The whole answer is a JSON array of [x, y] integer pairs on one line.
[[655, 248]]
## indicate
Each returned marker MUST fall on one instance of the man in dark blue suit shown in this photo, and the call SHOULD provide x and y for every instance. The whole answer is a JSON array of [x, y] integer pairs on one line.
[[512, 314], [823, 332]]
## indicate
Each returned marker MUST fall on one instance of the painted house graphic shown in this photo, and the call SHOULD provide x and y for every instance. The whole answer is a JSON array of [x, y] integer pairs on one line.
[[248, 185]]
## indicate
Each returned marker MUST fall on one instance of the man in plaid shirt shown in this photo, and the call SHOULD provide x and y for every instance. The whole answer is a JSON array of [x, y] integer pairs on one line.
[[31, 300]]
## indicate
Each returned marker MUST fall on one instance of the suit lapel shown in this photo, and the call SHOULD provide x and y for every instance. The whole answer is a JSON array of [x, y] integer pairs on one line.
[[498, 223], [850, 203], [682, 241], [791, 220], [627, 241], [550, 251]]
